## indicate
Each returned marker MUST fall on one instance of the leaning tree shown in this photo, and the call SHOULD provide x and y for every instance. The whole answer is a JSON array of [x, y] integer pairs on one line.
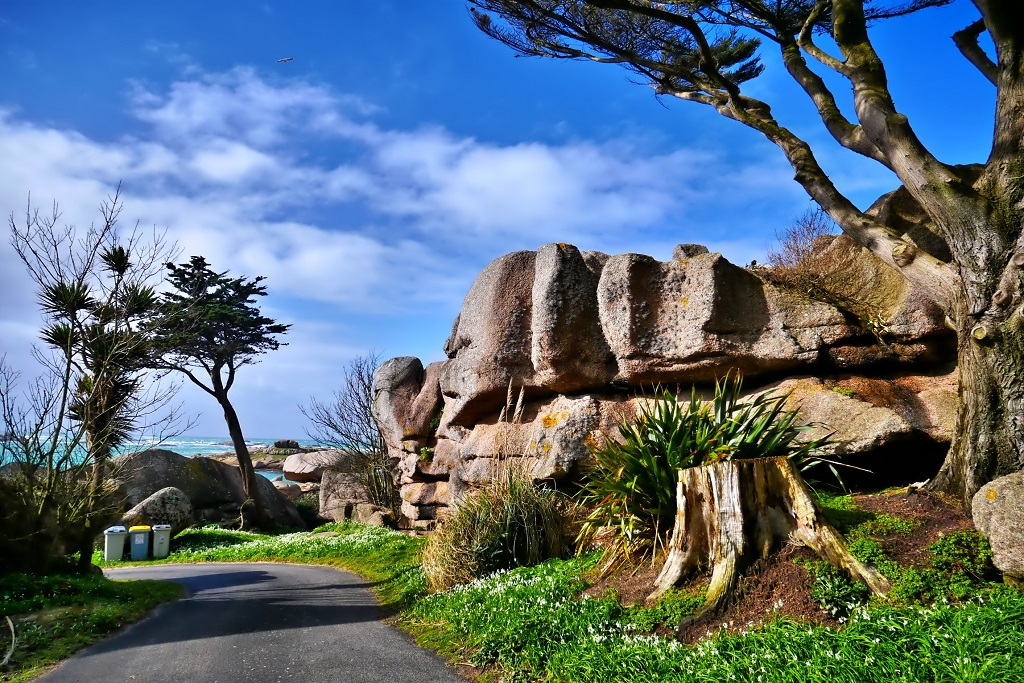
[[208, 326], [968, 252]]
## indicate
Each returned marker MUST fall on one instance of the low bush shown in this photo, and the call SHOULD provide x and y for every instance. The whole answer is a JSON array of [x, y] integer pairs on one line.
[[308, 507], [512, 522]]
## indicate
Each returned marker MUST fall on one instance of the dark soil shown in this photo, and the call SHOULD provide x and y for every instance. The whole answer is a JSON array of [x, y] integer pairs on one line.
[[779, 587]]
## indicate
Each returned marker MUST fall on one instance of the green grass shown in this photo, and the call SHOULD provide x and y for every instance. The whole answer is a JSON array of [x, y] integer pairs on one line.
[[527, 624], [55, 616]]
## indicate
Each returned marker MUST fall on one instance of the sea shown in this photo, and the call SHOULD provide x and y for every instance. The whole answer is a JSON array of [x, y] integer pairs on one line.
[[190, 446]]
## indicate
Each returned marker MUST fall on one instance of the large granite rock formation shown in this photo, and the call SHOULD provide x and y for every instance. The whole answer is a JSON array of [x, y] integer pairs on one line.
[[582, 333], [214, 488]]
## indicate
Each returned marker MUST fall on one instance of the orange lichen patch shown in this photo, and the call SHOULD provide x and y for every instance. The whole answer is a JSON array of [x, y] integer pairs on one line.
[[685, 301], [546, 447], [552, 419]]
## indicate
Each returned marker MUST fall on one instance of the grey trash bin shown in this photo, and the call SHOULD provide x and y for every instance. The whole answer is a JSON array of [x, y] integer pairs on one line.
[[139, 542], [161, 540], [113, 543]]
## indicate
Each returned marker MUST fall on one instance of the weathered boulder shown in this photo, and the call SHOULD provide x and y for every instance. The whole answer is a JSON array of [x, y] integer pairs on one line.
[[290, 444], [853, 425], [214, 488], [691, 320], [878, 292], [578, 332], [166, 506], [491, 344], [568, 349], [339, 493], [290, 489], [407, 398], [301, 467], [998, 512], [553, 436], [372, 515]]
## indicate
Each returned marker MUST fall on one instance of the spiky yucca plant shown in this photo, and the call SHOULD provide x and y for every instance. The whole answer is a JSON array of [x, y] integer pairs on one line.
[[631, 490]]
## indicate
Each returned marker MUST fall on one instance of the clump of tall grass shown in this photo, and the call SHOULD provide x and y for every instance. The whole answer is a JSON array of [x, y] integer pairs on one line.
[[512, 522]]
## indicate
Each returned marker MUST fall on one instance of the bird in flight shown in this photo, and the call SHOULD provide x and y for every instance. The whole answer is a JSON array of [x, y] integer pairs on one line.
[[286, 59]]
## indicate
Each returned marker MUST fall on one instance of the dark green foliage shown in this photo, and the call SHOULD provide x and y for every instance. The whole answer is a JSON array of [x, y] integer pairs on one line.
[[671, 608], [632, 486], [308, 506], [835, 592], [92, 287], [208, 327], [435, 421], [960, 565], [510, 523], [210, 321]]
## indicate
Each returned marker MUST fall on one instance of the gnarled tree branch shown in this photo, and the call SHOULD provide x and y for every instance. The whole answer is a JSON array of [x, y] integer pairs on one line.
[[966, 40]]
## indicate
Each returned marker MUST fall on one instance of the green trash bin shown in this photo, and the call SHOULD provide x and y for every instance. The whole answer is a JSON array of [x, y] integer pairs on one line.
[[113, 543], [138, 539], [161, 540]]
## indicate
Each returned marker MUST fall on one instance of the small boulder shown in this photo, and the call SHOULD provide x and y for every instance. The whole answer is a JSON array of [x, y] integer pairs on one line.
[[167, 506], [291, 444], [998, 512], [290, 489], [339, 493], [372, 515]]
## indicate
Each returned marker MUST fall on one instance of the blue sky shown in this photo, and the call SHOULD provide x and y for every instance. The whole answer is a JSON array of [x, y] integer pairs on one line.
[[371, 178]]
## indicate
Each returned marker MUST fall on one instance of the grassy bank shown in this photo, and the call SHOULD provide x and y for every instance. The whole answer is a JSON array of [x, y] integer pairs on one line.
[[55, 616]]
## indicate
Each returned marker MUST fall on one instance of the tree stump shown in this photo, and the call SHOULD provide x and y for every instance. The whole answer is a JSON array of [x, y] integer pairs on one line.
[[732, 513]]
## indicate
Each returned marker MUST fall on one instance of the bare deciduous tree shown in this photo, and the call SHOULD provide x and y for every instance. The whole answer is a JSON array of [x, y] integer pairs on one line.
[[348, 424], [94, 291]]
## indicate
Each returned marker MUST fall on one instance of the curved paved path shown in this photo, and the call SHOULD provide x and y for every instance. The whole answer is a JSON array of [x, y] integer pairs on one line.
[[256, 623]]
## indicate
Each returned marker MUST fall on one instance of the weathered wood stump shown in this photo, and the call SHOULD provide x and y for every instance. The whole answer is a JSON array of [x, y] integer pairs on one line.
[[732, 513]]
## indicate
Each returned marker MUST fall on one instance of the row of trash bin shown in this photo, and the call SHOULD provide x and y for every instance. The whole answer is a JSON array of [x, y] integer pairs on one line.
[[143, 542]]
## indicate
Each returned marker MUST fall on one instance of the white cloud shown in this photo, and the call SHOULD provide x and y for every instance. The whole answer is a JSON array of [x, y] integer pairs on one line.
[[347, 218]]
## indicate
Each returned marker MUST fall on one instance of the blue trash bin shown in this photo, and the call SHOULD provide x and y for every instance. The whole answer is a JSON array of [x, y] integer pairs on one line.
[[138, 539]]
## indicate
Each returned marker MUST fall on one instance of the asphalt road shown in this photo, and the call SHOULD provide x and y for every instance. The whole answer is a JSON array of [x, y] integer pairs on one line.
[[250, 623]]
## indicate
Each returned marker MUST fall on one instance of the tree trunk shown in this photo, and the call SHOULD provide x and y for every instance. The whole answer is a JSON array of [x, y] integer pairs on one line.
[[734, 512], [249, 482], [989, 440]]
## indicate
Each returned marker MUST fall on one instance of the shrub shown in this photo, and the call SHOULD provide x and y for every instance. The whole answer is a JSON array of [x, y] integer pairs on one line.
[[632, 488], [511, 523], [835, 592], [308, 507]]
